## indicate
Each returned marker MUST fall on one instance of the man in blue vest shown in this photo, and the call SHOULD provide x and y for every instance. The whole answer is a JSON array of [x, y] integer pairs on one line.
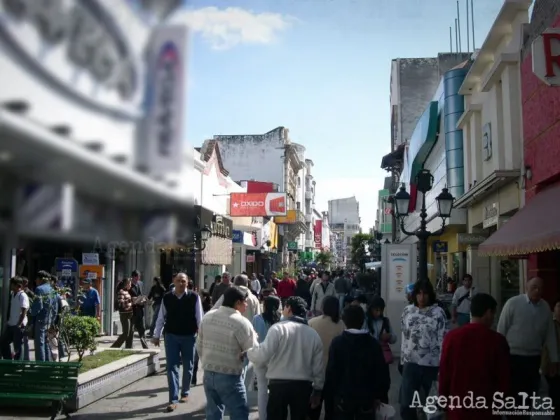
[[44, 309], [180, 315]]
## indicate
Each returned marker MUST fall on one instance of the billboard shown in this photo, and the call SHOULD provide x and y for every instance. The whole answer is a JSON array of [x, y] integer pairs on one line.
[[290, 218], [318, 234], [257, 204]]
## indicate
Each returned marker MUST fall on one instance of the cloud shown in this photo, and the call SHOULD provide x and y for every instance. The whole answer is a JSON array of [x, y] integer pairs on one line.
[[226, 28]]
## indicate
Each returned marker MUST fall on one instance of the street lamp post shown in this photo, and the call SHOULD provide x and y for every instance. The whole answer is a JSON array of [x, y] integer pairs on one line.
[[424, 183]]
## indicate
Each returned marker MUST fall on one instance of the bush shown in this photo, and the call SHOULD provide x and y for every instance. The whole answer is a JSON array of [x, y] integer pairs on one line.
[[79, 332]]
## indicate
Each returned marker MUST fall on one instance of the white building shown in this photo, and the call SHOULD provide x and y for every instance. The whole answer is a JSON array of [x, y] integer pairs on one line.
[[344, 219], [493, 147]]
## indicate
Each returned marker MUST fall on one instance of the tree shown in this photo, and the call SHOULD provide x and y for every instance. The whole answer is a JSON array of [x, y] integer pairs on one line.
[[79, 332], [324, 258], [358, 252]]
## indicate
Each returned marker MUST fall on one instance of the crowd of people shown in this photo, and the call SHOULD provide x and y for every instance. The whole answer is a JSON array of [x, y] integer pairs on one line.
[[316, 344]]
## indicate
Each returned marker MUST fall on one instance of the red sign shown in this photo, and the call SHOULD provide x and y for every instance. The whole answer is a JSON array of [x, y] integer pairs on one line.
[[260, 187], [546, 56], [257, 204], [318, 234]]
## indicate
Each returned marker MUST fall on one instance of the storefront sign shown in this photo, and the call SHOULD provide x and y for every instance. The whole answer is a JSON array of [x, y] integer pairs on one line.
[[292, 246], [399, 272], [257, 204], [439, 246], [490, 216], [90, 258], [84, 43], [546, 57], [470, 238], [237, 237], [250, 258], [318, 234], [221, 227]]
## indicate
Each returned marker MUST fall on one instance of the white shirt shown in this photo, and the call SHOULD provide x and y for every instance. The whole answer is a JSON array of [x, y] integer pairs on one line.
[[465, 306], [19, 301], [160, 322], [256, 286]]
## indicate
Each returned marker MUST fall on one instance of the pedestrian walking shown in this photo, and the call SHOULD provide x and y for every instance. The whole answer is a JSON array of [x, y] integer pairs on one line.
[[320, 291], [255, 285], [292, 353], [461, 312], [253, 304], [14, 334], [89, 301], [220, 288], [224, 336], [328, 326], [357, 377], [206, 307], [423, 326], [138, 304], [155, 297], [43, 308], [286, 287], [342, 287], [475, 359], [180, 314], [526, 323], [261, 324], [124, 306]]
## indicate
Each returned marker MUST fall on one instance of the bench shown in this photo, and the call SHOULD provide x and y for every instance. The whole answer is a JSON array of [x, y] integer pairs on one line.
[[39, 382]]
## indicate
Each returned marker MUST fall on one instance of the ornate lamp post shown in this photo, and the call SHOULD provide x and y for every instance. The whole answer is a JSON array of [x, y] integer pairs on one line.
[[424, 182], [205, 234]]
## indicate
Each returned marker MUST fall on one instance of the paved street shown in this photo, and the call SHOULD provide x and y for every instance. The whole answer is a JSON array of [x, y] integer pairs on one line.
[[147, 399]]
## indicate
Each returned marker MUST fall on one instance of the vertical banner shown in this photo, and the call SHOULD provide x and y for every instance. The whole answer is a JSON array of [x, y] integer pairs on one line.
[[318, 234], [160, 149]]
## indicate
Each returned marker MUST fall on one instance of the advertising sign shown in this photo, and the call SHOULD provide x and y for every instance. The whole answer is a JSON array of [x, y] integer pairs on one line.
[[160, 148], [292, 246], [546, 56], [237, 237], [67, 272], [318, 234], [258, 204], [92, 272], [398, 269], [290, 218], [90, 258]]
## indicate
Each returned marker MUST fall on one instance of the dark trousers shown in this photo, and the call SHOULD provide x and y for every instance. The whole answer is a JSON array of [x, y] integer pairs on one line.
[[554, 393], [138, 323], [195, 368], [525, 377], [16, 336], [315, 413], [284, 395], [127, 335], [415, 378], [354, 410]]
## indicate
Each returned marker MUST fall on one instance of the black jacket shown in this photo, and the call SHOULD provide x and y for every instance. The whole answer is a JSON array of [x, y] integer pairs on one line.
[[356, 370]]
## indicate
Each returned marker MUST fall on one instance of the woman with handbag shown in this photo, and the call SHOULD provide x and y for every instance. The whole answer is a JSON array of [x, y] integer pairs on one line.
[[380, 328]]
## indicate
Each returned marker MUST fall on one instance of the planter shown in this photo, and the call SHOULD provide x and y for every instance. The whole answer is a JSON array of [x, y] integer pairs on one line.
[[104, 380]]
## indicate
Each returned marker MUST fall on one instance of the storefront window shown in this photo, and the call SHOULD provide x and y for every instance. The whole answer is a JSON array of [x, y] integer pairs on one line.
[[509, 279]]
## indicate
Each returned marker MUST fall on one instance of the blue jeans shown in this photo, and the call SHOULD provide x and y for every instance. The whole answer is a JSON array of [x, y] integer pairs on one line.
[[42, 350], [463, 319], [415, 378], [179, 348], [225, 391]]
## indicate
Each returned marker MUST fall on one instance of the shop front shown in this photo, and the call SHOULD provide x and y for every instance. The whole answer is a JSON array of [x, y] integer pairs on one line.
[[498, 275], [217, 252], [447, 256]]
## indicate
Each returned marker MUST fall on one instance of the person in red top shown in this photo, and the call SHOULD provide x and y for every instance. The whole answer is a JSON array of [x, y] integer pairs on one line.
[[286, 288], [474, 361]]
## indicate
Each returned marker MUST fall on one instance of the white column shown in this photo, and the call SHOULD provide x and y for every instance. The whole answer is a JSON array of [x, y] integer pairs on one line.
[[476, 146], [512, 129]]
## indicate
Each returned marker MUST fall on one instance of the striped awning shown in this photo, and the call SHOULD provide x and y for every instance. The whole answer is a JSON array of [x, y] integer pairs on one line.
[[534, 228]]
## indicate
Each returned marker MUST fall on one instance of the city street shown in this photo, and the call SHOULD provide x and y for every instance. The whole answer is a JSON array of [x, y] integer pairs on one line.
[[147, 399]]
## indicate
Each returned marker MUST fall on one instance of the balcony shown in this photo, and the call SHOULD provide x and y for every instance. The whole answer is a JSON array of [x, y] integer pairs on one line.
[[309, 195]]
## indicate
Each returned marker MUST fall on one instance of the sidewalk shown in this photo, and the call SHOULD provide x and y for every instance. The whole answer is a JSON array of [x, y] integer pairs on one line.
[[148, 398]]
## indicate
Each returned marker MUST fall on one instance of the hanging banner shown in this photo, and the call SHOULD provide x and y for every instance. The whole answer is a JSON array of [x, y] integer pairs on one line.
[[318, 234]]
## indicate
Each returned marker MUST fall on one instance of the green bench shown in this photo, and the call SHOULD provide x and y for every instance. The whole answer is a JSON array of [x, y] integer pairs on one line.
[[39, 382]]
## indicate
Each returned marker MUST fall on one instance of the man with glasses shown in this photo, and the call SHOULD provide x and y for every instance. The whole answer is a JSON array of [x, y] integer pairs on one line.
[[220, 288]]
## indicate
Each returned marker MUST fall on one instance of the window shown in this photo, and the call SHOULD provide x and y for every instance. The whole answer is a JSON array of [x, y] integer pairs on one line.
[[299, 181], [298, 205]]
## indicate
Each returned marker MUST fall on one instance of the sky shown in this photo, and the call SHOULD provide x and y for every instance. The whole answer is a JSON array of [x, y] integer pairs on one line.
[[318, 67]]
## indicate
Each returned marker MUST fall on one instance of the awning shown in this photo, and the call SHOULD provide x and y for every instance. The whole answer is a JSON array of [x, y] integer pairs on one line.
[[534, 228]]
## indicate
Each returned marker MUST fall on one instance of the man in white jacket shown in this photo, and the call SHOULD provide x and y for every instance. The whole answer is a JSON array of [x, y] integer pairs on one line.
[[253, 304], [292, 353], [319, 291]]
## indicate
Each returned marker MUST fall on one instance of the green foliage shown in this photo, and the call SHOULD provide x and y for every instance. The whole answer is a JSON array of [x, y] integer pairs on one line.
[[367, 281], [103, 358], [79, 332], [324, 258], [359, 245]]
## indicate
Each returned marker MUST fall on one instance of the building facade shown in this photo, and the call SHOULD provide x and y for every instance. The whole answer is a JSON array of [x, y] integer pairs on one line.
[[73, 127], [384, 219], [532, 233], [344, 220], [493, 154]]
